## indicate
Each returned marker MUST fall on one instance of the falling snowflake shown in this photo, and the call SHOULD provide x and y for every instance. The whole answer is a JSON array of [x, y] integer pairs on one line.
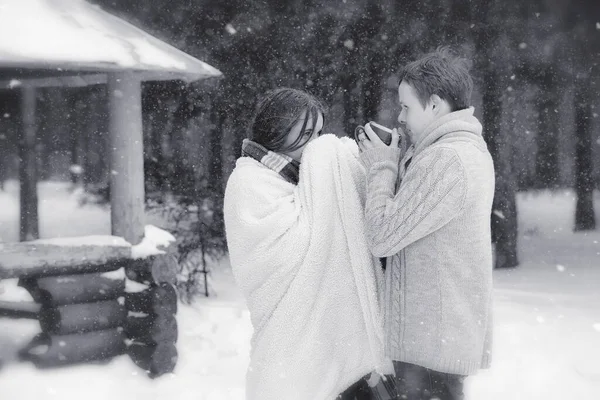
[[560, 268], [349, 44], [230, 29], [597, 327], [499, 214], [540, 319], [76, 169], [523, 45], [598, 25]]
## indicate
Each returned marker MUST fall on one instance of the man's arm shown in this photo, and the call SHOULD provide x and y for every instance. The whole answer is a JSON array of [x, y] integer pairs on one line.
[[431, 194]]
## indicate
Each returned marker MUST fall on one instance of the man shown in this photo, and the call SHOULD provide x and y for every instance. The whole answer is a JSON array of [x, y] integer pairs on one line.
[[429, 214]]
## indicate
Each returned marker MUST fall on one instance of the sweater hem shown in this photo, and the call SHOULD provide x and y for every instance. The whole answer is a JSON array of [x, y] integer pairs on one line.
[[441, 364]]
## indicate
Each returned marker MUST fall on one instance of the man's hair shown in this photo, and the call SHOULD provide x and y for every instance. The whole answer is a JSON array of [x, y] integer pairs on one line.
[[443, 73]]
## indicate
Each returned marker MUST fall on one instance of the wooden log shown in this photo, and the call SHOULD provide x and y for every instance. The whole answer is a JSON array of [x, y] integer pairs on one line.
[[22, 260], [158, 299], [47, 350], [83, 317], [139, 271], [152, 329], [156, 359], [72, 289], [126, 156], [158, 269], [19, 309]]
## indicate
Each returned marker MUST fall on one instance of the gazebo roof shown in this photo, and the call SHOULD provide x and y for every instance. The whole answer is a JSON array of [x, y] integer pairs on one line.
[[54, 40]]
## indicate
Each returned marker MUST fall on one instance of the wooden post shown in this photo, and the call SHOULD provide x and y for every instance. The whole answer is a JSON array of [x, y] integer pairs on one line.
[[27, 167], [126, 156]]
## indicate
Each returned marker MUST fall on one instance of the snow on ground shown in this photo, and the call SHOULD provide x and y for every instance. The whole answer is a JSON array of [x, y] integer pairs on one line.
[[546, 337], [546, 329]]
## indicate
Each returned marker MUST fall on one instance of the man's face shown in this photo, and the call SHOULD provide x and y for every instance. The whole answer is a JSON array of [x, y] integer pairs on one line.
[[413, 117]]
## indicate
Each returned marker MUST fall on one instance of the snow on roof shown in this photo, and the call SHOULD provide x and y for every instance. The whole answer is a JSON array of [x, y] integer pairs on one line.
[[63, 35]]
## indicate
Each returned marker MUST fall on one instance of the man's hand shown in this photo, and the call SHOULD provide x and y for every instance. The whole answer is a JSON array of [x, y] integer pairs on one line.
[[372, 141]]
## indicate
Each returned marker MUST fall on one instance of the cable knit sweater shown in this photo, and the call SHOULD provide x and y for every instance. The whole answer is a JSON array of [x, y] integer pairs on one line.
[[435, 229]]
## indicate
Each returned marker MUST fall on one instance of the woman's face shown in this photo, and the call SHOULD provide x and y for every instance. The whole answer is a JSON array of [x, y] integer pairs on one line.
[[307, 134]]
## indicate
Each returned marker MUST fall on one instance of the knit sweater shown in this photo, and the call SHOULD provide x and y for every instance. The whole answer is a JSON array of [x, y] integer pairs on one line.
[[435, 229]]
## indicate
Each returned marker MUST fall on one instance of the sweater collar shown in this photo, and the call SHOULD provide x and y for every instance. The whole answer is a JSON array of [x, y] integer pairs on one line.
[[461, 121]]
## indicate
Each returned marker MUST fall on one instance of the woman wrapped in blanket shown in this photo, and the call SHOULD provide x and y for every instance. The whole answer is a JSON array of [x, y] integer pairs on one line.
[[294, 225]]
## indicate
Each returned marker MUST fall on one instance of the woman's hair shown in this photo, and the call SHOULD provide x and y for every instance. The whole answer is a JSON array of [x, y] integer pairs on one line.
[[278, 111]]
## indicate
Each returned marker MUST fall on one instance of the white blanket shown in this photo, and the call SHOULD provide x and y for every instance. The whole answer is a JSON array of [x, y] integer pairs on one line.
[[300, 256]]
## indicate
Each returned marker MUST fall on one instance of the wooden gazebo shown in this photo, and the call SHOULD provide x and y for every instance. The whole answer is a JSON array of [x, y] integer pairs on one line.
[[64, 43], [69, 43]]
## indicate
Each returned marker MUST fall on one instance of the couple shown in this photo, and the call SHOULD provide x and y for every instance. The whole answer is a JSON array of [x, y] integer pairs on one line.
[[308, 217]]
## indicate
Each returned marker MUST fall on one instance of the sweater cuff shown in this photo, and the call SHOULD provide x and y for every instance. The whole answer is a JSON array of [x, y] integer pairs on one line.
[[383, 154]]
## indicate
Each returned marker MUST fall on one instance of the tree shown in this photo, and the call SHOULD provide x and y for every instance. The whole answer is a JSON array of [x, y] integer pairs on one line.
[[494, 78], [584, 17], [584, 182]]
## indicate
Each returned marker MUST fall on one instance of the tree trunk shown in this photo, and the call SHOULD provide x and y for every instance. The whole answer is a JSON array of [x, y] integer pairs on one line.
[[29, 229], [350, 103], [546, 162], [584, 183], [372, 88], [77, 122], [504, 210], [215, 166]]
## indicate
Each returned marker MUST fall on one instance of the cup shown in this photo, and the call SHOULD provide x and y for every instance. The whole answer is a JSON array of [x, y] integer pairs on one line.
[[384, 133]]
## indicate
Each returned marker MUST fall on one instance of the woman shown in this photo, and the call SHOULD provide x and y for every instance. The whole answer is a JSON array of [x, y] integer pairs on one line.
[[294, 224]]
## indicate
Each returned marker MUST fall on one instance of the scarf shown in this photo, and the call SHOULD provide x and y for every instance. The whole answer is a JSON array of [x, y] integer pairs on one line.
[[284, 165]]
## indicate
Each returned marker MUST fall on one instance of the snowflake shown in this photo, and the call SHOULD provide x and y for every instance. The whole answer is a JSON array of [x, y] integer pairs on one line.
[[230, 29], [14, 83]]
